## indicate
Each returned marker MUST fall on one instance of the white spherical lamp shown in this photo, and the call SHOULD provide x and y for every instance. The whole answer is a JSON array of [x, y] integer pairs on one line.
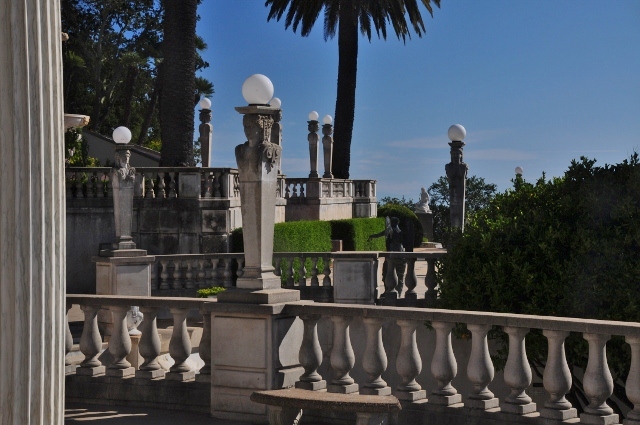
[[121, 135], [275, 103], [205, 103], [313, 116], [519, 171], [328, 119], [456, 133], [257, 90]]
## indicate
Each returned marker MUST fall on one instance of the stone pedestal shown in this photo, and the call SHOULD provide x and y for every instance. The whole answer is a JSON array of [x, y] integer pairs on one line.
[[32, 223], [426, 220], [355, 276]]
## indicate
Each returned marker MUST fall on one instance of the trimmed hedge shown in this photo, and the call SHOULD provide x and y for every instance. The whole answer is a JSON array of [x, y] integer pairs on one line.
[[356, 231], [310, 236], [404, 214]]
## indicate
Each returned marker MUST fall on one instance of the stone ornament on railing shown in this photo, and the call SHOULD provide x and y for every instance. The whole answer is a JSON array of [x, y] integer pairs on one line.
[[313, 138]]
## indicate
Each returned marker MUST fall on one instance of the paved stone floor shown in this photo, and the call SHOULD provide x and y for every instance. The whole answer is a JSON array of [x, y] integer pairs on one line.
[[117, 415]]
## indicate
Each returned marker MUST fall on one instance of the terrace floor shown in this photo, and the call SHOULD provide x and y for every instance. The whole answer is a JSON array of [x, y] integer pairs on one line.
[[117, 415]]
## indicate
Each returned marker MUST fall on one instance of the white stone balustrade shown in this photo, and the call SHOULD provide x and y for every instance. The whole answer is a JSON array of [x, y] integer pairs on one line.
[[557, 378], [180, 347], [342, 357], [196, 271], [149, 345], [310, 355], [517, 374], [374, 361], [409, 363], [480, 369], [444, 366]]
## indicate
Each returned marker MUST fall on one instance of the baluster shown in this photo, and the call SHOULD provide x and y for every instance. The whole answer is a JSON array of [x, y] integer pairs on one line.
[[444, 366], [188, 284], [215, 281], [310, 355], [176, 281], [411, 280], [374, 360], [277, 266], [314, 271], [149, 193], [218, 185], [173, 177], [138, 188], [302, 278], [632, 385], [342, 358], [302, 190], [557, 379], [103, 185], [90, 186], [430, 281], [597, 382], [208, 185], [226, 273], [201, 274], [120, 344], [287, 193], [295, 190], [90, 343], [164, 275], [149, 345], [204, 375], [69, 183], [180, 347], [240, 271], [68, 343], [409, 363], [391, 279], [290, 281], [480, 369], [161, 192], [326, 281], [517, 374]]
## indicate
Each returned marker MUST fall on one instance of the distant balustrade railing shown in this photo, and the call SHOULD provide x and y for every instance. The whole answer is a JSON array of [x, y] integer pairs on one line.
[[299, 269], [304, 188], [119, 345], [196, 271], [156, 182], [410, 278], [557, 381]]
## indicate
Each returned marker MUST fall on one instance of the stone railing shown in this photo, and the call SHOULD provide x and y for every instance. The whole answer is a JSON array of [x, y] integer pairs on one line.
[[410, 279], [364, 188], [301, 264], [156, 182], [597, 381], [149, 345], [195, 271], [300, 188]]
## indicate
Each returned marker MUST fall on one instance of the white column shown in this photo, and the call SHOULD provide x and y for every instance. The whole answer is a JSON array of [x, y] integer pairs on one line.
[[32, 214]]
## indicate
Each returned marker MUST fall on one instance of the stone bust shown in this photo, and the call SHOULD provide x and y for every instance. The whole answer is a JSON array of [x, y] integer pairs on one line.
[[122, 170]]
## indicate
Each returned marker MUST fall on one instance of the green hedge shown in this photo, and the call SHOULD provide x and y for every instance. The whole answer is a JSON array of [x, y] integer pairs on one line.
[[316, 236], [355, 232], [404, 214]]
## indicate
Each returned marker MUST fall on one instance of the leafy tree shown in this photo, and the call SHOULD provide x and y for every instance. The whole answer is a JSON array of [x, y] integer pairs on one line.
[[397, 201], [347, 17], [561, 247], [478, 195]]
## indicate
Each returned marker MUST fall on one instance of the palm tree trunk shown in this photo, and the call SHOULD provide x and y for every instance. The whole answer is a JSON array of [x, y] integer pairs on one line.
[[346, 97], [178, 82]]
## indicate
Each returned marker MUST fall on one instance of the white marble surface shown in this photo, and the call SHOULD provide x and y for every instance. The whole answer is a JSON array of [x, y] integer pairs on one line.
[[32, 212]]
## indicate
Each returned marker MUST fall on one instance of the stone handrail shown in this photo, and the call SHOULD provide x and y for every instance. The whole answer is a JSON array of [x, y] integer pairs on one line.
[[195, 271], [156, 182], [305, 188], [120, 341], [598, 383]]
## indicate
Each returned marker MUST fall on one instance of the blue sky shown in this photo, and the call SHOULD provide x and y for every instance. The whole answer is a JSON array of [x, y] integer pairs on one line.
[[535, 84]]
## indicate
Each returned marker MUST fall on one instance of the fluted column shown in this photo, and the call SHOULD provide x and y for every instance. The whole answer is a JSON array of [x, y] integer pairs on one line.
[[310, 355], [32, 214], [180, 347], [374, 360], [204, 374], [444, 366], [342, 358], [409, 363], [480, 369], [633, 381], [557, 379], [598, 383], [90, 343], [149, 345], [517, 374], [120, 344]]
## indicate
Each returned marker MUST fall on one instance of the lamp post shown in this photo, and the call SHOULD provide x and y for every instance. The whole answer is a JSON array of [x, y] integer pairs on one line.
[[518, 181], [122, 178], [258, 162], [313, 144], [327, 145], [206, 131], [456, 174]]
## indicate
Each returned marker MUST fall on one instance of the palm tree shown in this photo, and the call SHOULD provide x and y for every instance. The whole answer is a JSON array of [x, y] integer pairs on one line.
[[178, 82], [351, 15]]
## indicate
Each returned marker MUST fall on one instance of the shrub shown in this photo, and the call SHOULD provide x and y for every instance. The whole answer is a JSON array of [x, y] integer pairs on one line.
[[355, 232], [205, 292], [406, 216]]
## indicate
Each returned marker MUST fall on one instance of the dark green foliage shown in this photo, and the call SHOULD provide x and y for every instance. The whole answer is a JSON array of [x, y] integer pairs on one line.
[[565, 247], [355, 232], [398, 201], [299, 236], [405, 215], [478, 195]]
